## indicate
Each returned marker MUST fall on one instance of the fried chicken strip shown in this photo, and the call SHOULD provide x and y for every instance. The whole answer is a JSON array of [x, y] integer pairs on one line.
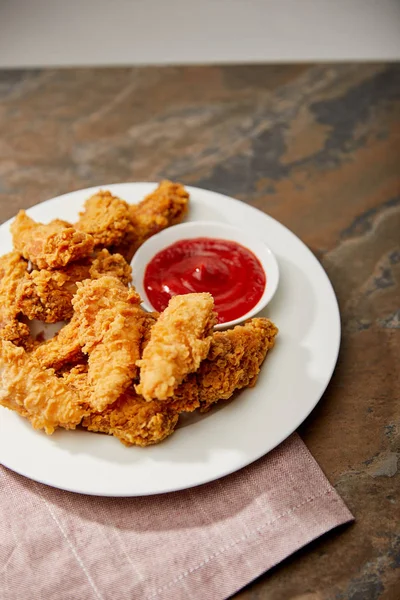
[[12, 270], [107, 219], [115, 265], [49, 246], [112, 338], [130, 418], [66, 346], [61, 350], [134, 421], [179, 341], [46, 295], [109, 326], [186, 396], [36, 393], [234, 360], [164, 207]]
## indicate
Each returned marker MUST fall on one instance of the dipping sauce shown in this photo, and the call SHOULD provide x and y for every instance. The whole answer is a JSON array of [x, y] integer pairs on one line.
[[230, 272]]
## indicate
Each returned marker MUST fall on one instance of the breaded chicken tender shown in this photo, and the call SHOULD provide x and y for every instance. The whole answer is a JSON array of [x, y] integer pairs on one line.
[[186, 396], [234, 360], [61, 350], [105, 263], [107, 219], [12, 270], [36, 393], [179, 341], [46, 295], [49, 246], [108, 325], [166, 206], [134, 421]]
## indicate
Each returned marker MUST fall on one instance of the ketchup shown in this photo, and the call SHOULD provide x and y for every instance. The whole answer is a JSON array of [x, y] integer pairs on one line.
[[230, 272]]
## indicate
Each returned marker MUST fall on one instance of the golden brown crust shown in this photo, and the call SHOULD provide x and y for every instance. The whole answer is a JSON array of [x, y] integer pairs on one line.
[[63, 349], [105, 263], [106, 218], [186, 396], [166, 206], [108, 325], [179, 341], [37, 393], [134, 421], [51, 246], [46, 295], [234, 360], [12, 270]]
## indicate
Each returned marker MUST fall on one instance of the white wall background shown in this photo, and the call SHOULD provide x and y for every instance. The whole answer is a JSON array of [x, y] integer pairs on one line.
[[117, 32]]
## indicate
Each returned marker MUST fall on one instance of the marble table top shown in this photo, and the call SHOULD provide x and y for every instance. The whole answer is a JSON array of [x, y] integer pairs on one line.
[[318, 148]]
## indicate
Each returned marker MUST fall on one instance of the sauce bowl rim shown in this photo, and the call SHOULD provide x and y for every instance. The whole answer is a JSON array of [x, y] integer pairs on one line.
[[170, 235]]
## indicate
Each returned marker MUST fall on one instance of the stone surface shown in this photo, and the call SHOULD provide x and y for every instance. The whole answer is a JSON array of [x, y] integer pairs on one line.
[[318, 148]]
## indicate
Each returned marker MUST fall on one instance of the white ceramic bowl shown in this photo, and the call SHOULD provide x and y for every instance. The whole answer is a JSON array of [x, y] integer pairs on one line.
[[209, 229]]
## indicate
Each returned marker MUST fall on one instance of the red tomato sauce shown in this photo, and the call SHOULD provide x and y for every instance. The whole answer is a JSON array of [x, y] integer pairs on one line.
[[229, 271]]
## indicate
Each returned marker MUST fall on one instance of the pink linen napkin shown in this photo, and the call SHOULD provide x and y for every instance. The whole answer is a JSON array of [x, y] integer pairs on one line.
[[203, 543]]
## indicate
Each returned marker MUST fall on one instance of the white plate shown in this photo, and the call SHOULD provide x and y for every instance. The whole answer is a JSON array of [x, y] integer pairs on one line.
[[229, 437]]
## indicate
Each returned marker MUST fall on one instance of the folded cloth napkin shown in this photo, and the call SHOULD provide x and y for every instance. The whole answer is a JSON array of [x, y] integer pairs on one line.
[[206, 542]]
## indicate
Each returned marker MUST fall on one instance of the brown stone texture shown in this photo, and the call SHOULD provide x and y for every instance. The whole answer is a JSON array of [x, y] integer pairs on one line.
[[318, 148]]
